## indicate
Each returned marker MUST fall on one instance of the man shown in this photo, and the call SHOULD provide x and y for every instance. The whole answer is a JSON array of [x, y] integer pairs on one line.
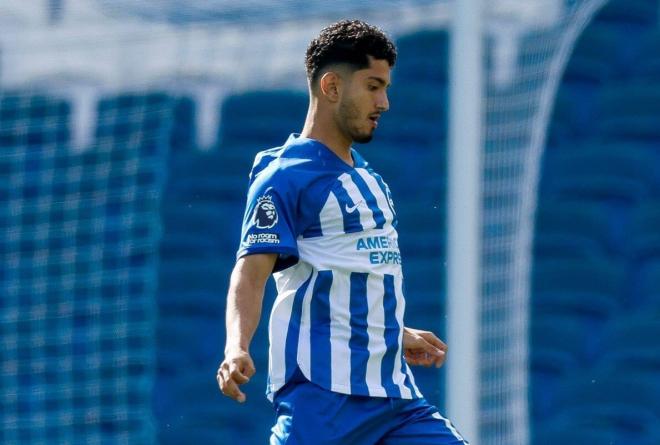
[[323, 222]]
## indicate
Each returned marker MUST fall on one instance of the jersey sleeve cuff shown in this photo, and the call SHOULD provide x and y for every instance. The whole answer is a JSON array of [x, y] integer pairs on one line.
[[287, 256]]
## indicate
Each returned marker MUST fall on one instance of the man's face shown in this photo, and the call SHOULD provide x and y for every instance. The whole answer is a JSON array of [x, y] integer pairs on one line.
[[363, 100]]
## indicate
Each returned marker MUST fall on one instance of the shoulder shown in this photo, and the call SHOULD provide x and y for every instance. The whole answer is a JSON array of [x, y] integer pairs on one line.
[[293, 166]]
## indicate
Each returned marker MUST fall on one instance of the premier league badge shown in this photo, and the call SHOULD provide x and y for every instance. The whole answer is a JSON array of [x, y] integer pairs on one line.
[[265, 213]]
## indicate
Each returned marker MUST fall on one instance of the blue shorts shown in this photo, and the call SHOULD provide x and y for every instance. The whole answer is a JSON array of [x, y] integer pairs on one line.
[[310, 415]]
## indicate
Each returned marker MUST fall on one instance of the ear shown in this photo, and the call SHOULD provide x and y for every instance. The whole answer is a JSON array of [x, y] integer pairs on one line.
[[329, 84]]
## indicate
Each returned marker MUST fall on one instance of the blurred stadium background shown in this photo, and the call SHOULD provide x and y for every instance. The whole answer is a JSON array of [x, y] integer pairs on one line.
[[127, 130]]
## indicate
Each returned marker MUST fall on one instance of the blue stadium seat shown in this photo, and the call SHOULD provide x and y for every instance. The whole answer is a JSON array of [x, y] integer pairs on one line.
[[630, 344], [630, 112], [191, 246], [183, 133], [547, 369], [214, 220], [207, 189], [183, 163], [184, 275], [200, 230], [573, 114], [640, 13], [425, 305], [197, 337], [121, 117], [262, 118], [426, 102], [201, 405], [644, 243], [619, 174], [422, 175], [572, 432], [238, 160], [597, 55], [563, 334], [414, 63], [613, 401], [591, 288], [35, 120], [383, 157], [647, 64], [182, 433], [412, 131], [427, 246], [170, 363], [193, 304], [572, 229], [647, 285], [424, 216], [559, 345], [192, 164]]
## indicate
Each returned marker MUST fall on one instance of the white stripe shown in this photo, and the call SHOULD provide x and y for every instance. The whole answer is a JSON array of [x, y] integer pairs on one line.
[[375, 189], [332, 221], [449, 426], [304, 354], [397, 375], [376, 332], [280, 317], [366, 215], [340, 335], [401, 302], [412, 380]]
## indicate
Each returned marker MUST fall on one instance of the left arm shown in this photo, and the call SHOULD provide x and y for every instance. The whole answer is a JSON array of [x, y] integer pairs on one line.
[[423, 348]]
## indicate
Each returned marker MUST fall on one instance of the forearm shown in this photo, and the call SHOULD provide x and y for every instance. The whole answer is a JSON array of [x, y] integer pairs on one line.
[[244, 302]]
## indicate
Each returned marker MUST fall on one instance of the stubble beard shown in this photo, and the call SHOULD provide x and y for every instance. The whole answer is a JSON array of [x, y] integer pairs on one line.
[[349, 113]]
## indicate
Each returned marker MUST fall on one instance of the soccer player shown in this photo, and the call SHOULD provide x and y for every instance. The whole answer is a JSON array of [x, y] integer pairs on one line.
[[323, 222]]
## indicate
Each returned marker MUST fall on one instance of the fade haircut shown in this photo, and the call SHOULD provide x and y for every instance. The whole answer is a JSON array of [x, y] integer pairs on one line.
[[347, 42]]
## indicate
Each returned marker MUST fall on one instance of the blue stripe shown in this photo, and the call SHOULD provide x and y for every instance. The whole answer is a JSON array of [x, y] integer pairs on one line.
[[351, 220], [293, 331], [320, 359], [392, 330], [359, 342], [408, 381], [362, 186], [313, 231], [388, 195], [314, 228]]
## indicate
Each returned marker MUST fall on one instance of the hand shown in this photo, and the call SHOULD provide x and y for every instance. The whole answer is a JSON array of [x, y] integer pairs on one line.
[[236, 369], [423, 348]]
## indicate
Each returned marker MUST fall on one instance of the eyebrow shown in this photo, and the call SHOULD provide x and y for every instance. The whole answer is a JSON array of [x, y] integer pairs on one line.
[[380, 80]]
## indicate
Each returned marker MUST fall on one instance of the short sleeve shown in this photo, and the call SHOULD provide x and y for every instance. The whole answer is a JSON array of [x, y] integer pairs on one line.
[[269, 223]]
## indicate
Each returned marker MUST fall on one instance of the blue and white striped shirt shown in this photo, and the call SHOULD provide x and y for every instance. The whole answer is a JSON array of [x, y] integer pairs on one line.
[[338, 316]]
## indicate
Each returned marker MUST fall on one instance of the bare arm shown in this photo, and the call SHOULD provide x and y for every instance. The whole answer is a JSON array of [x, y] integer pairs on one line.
[[244, 303]]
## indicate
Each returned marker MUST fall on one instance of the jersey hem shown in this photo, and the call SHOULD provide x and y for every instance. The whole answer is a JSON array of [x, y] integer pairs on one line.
[[272, 388]]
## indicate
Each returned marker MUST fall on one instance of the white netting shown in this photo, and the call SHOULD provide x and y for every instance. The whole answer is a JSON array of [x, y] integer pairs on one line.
[[523, 79], [79, 244]]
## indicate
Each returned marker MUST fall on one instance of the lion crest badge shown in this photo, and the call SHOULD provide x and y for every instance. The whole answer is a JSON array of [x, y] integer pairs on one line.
[[265, 213]]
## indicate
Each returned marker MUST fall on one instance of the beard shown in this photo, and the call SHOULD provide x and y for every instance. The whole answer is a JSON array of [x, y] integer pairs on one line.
[[349, 118]]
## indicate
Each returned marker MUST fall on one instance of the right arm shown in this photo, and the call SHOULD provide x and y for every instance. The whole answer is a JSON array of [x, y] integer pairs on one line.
[[244, 303]]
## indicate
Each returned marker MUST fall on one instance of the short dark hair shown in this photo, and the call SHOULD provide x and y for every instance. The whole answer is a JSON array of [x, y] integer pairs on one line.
[[348, 42]]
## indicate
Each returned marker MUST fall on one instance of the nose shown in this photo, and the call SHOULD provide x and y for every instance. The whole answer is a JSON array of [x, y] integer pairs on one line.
[[383, 103]]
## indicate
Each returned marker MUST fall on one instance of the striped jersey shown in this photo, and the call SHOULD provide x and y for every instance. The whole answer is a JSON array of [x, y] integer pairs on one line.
[[338, 315]]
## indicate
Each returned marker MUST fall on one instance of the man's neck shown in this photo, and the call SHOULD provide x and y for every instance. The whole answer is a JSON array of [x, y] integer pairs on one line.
[[326, 132]]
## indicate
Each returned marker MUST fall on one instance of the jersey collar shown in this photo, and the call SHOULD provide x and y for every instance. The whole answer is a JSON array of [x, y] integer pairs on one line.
[[296, 139]]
